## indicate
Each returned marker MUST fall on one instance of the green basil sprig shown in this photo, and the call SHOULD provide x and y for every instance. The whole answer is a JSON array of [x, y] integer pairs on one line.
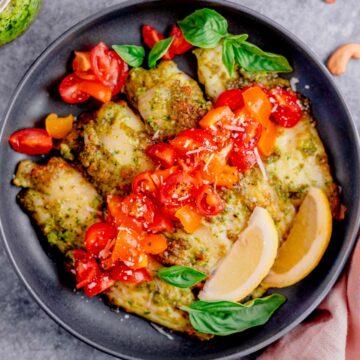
[[131, 54], [227, 317], [181, 276], [252, 58], [204, 28], [159, 50]]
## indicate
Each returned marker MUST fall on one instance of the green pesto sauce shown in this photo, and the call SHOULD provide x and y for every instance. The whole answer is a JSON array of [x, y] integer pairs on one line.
[[16, 18]]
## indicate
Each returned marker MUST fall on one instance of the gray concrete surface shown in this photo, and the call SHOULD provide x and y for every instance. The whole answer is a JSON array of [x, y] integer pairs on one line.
[[26, 332]]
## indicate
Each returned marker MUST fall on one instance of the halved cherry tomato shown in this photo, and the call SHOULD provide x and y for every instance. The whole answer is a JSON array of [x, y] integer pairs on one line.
[[140, 207], [232, 98], [286, 111], [58, 127], [82, 65], [267, 140], [97, 237], [96, 89], [189, 218], [123, 273], [193, 140], [179, 45], [242, 157], [208, 201], [159, 176], [86, 268], [151, 36], [162, 154], [99, 285], [222, 113], [178, 189], [69, 90], [144, 184], [128, 249], [246, 130], [153, 244], [32, 141], [161, 223], [257, 103], [108, 67]]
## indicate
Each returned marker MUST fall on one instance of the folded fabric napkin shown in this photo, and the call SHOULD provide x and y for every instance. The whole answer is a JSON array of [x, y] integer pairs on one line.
[[333, 330]]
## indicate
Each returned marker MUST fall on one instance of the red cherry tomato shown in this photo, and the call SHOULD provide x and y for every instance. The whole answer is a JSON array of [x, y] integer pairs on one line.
[[108, 67], [151, 36], [99, 285], [178, 189], [86, 268], [242, 157], [232, 98], [162, 154], [96, 89], [139, 207], [208, 201], [179, 45], [69, 90], [246, 130], [192, 140], [144, 184], [161, 223], [286, 112], [97, 237], [123, 273], [32, 141], [82, 65]]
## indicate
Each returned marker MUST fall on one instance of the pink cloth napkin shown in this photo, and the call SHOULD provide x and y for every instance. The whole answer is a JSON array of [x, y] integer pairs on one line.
[[333, 331]]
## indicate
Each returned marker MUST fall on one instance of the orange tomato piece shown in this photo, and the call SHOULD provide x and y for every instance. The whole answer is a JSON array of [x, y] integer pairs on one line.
[[189, 218], [58, 127], [257, 102], [96, 89], [267, 140], [81, 61], [222, 113], [154, 244]]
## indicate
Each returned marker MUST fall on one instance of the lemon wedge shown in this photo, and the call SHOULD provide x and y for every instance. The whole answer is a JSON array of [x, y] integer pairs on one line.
[[306, 243], [248, 261]]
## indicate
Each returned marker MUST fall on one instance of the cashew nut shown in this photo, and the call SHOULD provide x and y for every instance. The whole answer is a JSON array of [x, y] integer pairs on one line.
[[338, 60]]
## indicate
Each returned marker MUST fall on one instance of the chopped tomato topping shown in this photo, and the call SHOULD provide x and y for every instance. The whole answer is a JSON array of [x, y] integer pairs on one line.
[[232, 98], [179, 45], [86, 268], [153, 244], [144, 184], [208, 201], [189, 218], [96, 89], [162, 154], [242, 157], [222, 113], [99, 285], [70, 92], [32, 141], [123, 273], [82, 65], [58, 127], [151, 36], [257, 103], [98, 236]]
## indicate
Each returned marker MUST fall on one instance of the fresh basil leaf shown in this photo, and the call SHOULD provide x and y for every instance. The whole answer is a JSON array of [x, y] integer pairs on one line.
[[251, 58], [227, 317], [181, 276], [228, 52], [131, 54], [204, 28], [159, 50]]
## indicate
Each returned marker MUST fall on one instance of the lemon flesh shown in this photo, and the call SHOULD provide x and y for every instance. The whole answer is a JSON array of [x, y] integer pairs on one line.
[[306, 243], [248, 261]]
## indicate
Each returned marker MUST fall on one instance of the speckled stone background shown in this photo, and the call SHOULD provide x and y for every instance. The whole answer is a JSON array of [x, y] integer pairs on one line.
[[26, 332]]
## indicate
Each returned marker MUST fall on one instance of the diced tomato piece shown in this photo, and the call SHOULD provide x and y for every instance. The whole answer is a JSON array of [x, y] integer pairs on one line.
[[58, 127], [86, 268], [161, 223], [151, 36], [153, 244], [82, 65], [286, 111], [144, 184], [219, 114], [99, 285], [189, 218], [32, 141], [208, 201], [70, 92], [178, 189], [242, 157], [257, 103], [96, 89], [128, 249], [162, 154], [97, 237], [179, 45], [232, 98], [139, 207], [108, 67], [123, 273], [159, 176]]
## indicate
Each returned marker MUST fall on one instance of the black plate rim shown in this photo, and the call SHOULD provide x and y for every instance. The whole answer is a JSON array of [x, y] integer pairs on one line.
[[272, 24]]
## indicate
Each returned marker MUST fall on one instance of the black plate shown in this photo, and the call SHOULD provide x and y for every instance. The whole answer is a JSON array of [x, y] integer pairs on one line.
[[133, 337]]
